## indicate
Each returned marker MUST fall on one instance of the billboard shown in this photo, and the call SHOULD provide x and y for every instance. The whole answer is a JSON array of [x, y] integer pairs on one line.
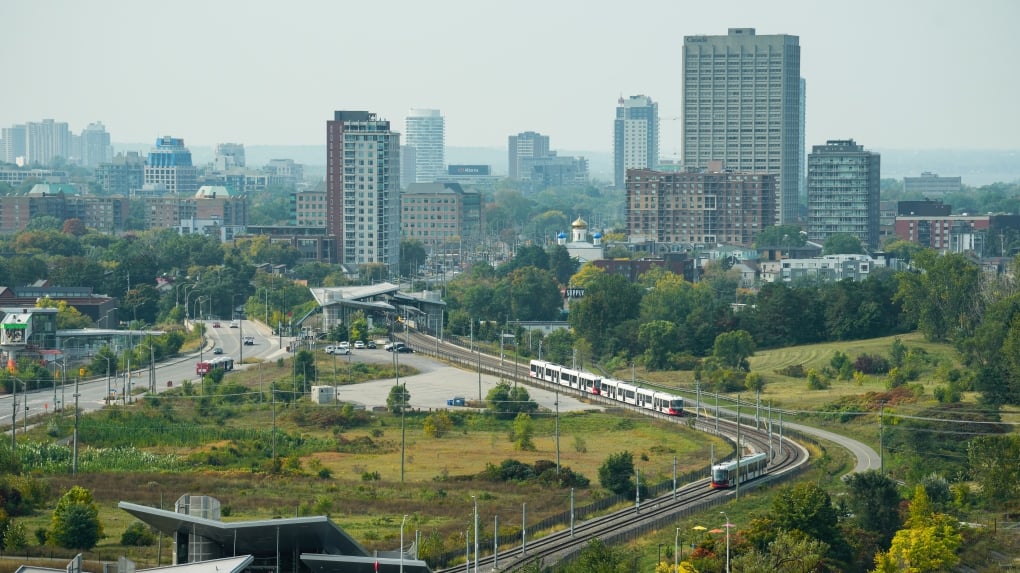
[[16, 329], [469, 169]]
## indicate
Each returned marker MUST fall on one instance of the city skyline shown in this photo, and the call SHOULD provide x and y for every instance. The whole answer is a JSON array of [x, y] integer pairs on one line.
[[907, 75]]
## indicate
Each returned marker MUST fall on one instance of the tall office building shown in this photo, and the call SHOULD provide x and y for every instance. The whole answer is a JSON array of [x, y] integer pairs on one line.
[[635, 137], [169, 167], [363, 188], [843, 192], [742, 104], [425, 131], [523, 146]]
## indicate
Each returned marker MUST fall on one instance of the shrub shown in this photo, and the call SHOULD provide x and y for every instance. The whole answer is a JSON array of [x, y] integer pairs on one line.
[[137, 535], [793, 371], [871, 364], [816, 381]]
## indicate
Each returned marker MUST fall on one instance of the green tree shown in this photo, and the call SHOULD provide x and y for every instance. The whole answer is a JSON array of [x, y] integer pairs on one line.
[[44, 223], [608, 302], [14, 537], [68, 317], [787, 553], [659, 337], [842, 244], [507, 401], [734, 348], [524, 433], [304, 366], [617, 472], [943, 297], [929, 543], [412, 256], [75, 522], [993, 465], [398, 399], [598, 557], [561, 264], [807, 508], [780, 237], [874, 500], [532, 294]]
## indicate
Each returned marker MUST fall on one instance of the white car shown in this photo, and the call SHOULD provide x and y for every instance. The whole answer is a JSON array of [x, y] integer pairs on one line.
[[359, 344], [337, 350]]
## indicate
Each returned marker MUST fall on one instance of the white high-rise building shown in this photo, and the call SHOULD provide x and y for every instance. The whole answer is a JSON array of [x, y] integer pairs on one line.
[[363, 188], [425, 131], [743, 105], [635, 136], [45, 140]]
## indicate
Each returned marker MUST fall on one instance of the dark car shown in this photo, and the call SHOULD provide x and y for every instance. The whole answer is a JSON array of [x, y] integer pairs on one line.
[[405, 349], [217, 350], [370, 344]]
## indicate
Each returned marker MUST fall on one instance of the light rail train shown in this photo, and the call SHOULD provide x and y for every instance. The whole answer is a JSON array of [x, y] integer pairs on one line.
[[724, 475], [608, 387]]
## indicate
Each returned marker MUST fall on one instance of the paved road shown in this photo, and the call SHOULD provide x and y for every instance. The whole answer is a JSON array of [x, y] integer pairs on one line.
[[867, 458]]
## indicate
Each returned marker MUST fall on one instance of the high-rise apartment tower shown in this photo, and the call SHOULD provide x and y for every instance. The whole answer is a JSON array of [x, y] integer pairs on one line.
[[523, 146], [635, 137], [425, 131], [843, 187], [363, 188], [742, 105]]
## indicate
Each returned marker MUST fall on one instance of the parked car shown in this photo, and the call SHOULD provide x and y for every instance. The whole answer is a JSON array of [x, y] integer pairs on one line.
[[370, 344], [359, 344], [405, 350]]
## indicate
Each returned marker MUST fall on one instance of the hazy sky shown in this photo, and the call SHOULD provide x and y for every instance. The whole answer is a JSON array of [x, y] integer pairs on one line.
[[889, 73]]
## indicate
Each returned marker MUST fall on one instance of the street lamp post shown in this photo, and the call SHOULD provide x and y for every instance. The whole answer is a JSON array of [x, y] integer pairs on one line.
[[187, 295], [14, 410], [105, 319], [474, 499], [152, 366], [728, 525], [676, 547]]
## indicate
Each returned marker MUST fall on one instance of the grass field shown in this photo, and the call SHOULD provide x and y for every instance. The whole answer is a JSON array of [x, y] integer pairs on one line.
[[792, 393]]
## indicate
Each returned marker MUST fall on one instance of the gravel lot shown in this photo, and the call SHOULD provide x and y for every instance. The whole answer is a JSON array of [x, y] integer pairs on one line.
[[437, 382]]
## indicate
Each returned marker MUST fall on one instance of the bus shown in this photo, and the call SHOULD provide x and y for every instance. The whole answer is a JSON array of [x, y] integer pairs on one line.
[[224, 363]]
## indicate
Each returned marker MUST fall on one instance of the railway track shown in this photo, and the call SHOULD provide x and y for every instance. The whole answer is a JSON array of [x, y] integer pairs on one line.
[[787, 458]]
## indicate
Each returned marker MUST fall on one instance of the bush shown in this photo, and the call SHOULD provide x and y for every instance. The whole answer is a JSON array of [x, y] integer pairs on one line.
[[793, 371], [816, 381], [871, 364], [137, 535]]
